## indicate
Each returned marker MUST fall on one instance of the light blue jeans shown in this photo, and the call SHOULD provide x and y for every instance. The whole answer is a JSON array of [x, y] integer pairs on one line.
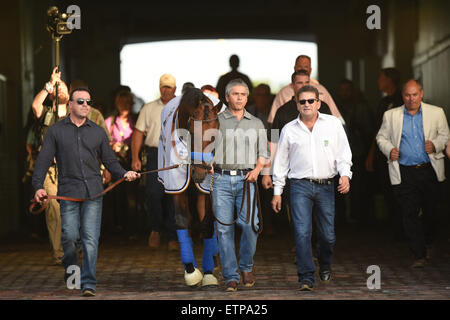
[[81, 220], [227, 196]]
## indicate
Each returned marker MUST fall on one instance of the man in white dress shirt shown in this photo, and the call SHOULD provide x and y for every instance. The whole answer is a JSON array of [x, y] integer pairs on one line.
[[312, 149]]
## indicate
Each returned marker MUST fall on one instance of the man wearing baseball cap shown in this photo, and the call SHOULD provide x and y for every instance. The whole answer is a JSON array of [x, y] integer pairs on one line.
[[160, 210]]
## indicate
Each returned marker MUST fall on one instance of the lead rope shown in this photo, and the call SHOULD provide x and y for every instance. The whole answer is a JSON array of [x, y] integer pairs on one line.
[[256, 203]]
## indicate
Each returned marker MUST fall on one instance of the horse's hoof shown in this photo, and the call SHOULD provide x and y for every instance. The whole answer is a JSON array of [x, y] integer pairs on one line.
[[209, 280], [194, 278]]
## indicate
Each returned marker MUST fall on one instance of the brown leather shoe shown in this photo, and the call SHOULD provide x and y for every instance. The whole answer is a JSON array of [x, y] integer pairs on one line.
[[231, 286], [173, 246], [419, 263], [248, 279], [153, 240]]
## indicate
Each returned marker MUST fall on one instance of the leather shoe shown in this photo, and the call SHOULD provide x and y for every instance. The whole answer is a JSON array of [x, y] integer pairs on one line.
[[231, 286], [248, 279], [325, 275], [88, 293], [306, 285], [153, 240], [419, 263], [173, 246]]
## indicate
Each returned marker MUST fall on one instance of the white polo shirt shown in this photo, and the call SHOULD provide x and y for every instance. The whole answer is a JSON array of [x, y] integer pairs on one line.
[[318, 154]]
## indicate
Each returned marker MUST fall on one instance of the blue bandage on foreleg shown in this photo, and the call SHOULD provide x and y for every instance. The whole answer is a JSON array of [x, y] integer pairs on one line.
[[207, 260], [210, 249], [201, 156], [215, 246], [186, 248]]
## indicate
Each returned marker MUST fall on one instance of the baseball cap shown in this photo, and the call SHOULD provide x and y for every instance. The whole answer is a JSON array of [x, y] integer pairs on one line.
[[167, 80]]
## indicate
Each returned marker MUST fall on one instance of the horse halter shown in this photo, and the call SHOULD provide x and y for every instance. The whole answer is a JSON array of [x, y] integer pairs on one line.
[[201, 156], [191, 117]]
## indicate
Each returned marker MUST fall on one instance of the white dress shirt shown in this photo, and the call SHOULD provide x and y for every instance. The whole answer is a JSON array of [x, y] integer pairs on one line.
[[318, 154]]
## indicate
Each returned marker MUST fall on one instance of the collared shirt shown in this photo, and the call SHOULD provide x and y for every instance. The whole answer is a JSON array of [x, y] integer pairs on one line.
[[412, 145], [319, 154], [241, 143], [149, 122], [77, 151]]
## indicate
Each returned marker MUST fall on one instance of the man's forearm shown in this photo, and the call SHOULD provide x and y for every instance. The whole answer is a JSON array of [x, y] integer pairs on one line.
[[38, 101], [136, 144]]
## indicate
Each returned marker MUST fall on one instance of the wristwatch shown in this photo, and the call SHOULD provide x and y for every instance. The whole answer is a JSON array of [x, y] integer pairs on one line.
[[48, 87]]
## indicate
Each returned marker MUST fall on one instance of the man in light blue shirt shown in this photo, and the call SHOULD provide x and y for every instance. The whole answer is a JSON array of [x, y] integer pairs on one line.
[[413, 138], [412, 146]]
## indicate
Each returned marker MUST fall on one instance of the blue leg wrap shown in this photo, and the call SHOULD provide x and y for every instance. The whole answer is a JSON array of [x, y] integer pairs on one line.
[[210, 249], [186, 247]]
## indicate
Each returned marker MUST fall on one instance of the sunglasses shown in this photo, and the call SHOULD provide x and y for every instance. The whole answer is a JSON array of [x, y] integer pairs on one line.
[[81, 101], [310, 101]]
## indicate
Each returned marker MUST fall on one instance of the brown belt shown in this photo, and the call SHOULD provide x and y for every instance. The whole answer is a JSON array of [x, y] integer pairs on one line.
[[42, 207], [418, 166]]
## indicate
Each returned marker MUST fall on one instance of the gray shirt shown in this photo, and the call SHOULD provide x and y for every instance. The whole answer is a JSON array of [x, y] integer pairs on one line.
[[241, 142]]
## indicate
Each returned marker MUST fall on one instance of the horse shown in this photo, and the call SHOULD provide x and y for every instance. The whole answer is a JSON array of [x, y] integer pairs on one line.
[[184, 122]]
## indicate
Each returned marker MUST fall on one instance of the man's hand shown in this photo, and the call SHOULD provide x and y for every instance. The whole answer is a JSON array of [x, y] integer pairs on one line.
[[106, 176], [276, 203], [267, 182], [40, 195], [395, 154], [252, 176], [136, 165], [55, 77], [344, 185], [131, 175], [429, 147]]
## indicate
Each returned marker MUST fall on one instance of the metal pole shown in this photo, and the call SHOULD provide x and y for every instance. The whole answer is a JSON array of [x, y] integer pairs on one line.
[[57, 42]]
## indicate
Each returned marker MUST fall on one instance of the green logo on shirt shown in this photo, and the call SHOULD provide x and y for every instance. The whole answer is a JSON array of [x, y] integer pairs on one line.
[[325, 143]]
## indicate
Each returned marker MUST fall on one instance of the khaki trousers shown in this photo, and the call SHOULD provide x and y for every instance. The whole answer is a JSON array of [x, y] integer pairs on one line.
[[52, 214]]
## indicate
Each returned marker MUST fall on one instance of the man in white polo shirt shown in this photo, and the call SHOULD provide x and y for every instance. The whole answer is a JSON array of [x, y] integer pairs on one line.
[[312, 149], [149, 125]]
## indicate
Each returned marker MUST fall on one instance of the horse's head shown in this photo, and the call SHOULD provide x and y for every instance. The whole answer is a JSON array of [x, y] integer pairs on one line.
[[198, 114]]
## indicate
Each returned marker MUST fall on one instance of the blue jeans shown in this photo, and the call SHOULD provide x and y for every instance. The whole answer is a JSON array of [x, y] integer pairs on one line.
[[81, 219], [303, 195], [157, 201], [227, 196]]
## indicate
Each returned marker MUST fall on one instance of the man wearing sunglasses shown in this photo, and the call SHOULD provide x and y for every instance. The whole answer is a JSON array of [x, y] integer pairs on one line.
[[47, 113], [312, 149], [78, 144]]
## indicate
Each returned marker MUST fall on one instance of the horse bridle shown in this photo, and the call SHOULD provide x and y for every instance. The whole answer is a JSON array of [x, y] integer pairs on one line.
[[191, 117]]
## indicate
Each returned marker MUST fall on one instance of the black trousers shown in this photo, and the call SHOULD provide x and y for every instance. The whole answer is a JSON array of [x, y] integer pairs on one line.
[[417, 196]]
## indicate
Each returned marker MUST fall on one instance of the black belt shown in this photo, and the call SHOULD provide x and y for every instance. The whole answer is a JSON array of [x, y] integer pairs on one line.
[[418, 166], [319, 181], [236, 172]]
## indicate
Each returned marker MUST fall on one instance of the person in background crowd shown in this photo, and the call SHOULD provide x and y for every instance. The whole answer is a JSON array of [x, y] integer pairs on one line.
[[148, 125], [413, 139], [233, 74], [303, 62], [121, 125]]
